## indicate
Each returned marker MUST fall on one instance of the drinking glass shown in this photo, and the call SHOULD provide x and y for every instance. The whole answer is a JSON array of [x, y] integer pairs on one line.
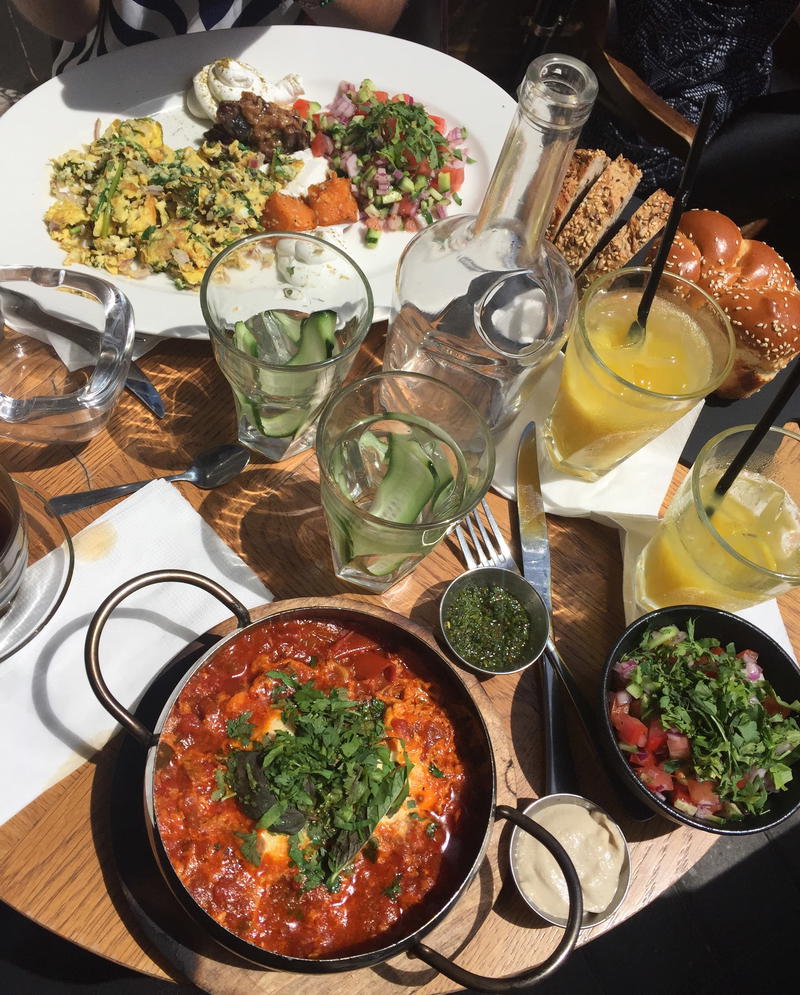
[[402, 458], [286, 313], [13, 542], [615, 395], [731, 551]]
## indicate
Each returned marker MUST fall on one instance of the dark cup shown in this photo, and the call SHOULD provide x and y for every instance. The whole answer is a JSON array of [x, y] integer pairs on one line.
[[13, 542]]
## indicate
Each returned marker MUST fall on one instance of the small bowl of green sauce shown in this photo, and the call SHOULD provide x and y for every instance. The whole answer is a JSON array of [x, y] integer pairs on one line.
[[493, 621]]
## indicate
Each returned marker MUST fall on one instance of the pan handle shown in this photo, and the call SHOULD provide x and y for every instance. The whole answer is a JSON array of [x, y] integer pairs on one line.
[[535, 974], [101, 616]]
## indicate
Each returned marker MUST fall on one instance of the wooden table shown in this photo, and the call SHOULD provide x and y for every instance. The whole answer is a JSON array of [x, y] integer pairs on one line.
[[56, 864]]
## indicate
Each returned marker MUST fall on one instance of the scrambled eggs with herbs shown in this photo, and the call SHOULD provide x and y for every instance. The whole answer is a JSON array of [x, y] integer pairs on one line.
[[132, 205]]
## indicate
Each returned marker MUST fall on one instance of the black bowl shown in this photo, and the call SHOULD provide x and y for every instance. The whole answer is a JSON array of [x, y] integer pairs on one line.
[[779, 669]]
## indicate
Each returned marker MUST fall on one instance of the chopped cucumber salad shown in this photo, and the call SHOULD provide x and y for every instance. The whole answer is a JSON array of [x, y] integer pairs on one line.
[[701, 726], [405, 165]]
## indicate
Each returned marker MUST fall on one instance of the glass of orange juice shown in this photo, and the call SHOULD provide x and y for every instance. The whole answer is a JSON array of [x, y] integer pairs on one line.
[[731, 551], [616, 394]]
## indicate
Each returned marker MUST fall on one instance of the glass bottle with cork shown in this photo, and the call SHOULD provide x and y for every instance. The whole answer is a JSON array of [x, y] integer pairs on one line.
[[481, 301]]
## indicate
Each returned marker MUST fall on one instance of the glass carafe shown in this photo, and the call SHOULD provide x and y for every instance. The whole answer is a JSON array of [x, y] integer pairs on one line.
[[481, 301]]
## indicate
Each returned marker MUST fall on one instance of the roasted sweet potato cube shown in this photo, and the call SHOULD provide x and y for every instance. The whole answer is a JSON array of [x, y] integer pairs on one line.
[[332, 201], [284, 213]]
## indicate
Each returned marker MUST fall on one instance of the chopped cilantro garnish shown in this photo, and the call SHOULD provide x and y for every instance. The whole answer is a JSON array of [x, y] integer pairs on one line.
[[241, 727], [333, 778], [394, 890]]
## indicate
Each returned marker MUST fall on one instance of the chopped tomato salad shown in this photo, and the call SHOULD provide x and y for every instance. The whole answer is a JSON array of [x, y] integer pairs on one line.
[[701, 727], [405, 166]]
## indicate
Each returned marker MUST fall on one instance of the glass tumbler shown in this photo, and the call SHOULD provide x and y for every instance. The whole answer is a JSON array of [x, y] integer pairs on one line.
[[286, 313], [616, 394], [402, 458], [731, 551]]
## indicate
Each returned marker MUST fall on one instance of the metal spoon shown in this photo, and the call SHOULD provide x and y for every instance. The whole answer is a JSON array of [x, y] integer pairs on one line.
[[212, 468]]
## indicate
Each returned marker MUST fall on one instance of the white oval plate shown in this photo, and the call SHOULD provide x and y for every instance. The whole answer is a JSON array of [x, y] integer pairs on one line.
[[151, 79]]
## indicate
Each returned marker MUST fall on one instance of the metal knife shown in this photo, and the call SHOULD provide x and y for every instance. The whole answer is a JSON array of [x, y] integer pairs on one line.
[[536, 568], [559, 768], [23, 313]]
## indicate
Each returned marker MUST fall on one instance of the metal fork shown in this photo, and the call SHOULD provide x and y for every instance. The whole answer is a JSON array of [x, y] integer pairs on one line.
[[491, 551]]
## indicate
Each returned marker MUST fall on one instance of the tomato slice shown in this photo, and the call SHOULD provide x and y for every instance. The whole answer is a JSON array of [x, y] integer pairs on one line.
[[656, 736], [655, 779], [318, 144], [703, 793], [679, 793], [302, 106], [438, 122], [456, 177], [406, 207], [381, 96], [631, 730]]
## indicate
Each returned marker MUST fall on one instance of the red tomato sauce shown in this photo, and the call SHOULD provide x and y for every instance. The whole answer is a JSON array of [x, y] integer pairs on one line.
[[382, 894]]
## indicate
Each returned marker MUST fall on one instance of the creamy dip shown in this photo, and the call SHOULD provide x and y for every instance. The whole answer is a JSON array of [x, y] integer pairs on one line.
[[594, 844]]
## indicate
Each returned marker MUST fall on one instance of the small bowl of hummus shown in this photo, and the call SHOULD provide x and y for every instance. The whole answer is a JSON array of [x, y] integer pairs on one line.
[[594, 843]]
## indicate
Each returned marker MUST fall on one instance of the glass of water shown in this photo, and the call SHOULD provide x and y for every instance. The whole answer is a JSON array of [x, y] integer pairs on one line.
[[286, 313], [403, 457]]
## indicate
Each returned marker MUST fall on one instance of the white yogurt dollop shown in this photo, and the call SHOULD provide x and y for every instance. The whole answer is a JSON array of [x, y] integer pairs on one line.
[[314, 170], [227, 79]]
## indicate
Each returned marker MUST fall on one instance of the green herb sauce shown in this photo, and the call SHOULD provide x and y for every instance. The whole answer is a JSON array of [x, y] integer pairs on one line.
[[488, 627]]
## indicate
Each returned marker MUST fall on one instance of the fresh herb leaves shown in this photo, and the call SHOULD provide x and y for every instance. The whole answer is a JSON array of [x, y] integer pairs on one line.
[[394, 890], [327, 784], [241, 727]]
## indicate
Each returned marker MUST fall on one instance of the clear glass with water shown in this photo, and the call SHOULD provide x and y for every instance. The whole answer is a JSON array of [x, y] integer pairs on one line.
[[481, 301], [393, 480]]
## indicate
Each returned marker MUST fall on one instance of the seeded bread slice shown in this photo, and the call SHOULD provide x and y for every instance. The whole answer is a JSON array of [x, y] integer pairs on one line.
[[643, 225], [597, 212], [583, 169]]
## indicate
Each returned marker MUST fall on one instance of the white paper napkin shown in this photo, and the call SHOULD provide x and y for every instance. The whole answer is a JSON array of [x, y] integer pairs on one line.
[[75, 308], [636, 487], [50, 721]]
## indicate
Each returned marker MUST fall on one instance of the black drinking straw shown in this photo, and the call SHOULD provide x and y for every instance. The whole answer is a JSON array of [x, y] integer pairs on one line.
[[758, 432], [678, 207]]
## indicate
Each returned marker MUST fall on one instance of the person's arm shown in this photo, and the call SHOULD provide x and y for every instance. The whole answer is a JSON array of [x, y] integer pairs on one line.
[[69, 20], [370, 15]]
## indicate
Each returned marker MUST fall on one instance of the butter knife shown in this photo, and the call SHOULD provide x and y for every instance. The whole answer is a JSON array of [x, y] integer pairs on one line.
[[22, 313], [559, 768], [536, 569]]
